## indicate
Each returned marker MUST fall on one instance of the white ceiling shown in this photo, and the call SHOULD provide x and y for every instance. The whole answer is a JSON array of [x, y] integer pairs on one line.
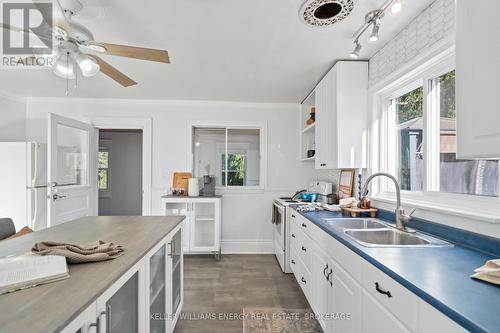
[[224, 50]]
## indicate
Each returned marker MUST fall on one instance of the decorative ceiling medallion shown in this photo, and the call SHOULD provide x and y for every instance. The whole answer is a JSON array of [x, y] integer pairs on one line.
[[320, 13]]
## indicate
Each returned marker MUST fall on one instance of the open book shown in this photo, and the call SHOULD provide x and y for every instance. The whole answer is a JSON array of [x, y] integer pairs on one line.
[[25, 271]]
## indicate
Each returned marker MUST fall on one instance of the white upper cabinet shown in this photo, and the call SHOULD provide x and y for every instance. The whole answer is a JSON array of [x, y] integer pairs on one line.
[[341, 116], [478, 79]]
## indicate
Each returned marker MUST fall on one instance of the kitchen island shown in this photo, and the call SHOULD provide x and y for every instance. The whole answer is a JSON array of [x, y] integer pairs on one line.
[[152, 256]]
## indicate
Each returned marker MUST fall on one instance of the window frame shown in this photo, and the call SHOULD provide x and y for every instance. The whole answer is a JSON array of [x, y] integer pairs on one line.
[[383, 159], [105, 145], [229, 125]]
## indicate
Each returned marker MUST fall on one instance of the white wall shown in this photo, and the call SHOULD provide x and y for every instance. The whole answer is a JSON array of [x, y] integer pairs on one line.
[[12, 118], [125, 175], [246, 215]]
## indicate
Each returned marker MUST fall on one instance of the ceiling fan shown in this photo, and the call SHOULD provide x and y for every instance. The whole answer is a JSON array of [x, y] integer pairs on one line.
[[74, 46]]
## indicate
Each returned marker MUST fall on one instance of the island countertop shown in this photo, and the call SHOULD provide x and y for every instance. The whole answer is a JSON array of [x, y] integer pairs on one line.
[[50, 307]]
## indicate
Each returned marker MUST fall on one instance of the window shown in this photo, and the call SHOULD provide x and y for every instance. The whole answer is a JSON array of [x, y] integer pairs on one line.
[[103, 170], [231, 155], [421, 119], [409, 114]]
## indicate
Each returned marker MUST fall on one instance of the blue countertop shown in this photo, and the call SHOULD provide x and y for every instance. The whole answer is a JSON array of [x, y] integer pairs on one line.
[[438, 275]]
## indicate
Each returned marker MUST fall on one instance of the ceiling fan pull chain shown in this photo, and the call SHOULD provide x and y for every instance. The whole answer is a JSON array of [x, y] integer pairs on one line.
[[67, 74]]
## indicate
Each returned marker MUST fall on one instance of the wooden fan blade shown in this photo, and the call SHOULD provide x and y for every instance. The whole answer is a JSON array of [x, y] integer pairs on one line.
[[136, 52], [113, 73]]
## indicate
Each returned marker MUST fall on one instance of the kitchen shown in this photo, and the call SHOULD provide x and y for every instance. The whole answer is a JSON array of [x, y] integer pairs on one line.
[[389, 111]]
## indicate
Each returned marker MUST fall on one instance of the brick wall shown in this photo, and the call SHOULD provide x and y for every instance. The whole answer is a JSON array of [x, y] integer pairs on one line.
[[434, 24]]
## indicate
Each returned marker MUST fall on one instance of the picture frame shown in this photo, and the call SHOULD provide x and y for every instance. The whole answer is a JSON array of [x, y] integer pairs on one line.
[[346, 183]]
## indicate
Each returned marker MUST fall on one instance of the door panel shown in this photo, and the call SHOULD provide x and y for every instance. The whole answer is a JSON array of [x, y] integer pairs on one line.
[[71, 159]]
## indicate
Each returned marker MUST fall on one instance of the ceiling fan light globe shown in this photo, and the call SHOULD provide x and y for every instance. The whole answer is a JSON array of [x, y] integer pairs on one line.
[[65, 69], [87, 65]]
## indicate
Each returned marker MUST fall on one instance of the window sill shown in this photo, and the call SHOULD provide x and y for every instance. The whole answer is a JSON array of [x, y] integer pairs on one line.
[[486, 209], [242, 190]]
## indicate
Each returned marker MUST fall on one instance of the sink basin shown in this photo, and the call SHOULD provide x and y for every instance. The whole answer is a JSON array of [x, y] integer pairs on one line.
[[391, 238], [354, 224]]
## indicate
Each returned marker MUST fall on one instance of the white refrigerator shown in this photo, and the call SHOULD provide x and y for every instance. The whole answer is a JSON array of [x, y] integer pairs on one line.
[[23, 184]]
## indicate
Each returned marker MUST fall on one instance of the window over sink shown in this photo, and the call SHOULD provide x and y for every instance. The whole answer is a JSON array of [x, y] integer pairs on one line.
[[421, 138]]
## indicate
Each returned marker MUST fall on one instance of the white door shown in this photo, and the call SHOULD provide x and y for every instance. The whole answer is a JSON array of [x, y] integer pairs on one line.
[[72, 175]]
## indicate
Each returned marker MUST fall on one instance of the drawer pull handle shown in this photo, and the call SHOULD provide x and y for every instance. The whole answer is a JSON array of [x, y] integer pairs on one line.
[[293, 235], [303, 280], [304, 249], [324, 271], [382, 291], [293, 216], [293, 261], [304, 225], [328, 277]]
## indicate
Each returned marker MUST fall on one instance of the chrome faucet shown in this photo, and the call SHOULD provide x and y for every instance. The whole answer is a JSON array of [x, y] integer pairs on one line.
[[401, 218]]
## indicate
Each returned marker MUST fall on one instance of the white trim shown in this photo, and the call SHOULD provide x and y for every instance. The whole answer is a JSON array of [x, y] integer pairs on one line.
[[262, 125], [146, 124], [161, 102], [247, 246]]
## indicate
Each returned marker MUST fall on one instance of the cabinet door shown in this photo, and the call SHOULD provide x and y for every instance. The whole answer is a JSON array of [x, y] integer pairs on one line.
[[177, 208], [123, 305], [347, 302], [377, 319], [326, 129], [175, 270], [204, 227], [477, 79], [85, 322], [157, 298], [321, 288]]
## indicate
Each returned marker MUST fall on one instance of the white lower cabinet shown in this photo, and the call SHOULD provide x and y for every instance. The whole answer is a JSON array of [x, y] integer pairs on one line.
[[147, 298], [348, 294], [202, 226]]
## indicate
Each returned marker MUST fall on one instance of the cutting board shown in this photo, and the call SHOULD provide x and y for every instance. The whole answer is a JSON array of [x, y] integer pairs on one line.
[[181, 180]]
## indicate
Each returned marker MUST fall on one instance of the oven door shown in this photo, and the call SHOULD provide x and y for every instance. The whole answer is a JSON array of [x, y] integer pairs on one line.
[[279, 226]]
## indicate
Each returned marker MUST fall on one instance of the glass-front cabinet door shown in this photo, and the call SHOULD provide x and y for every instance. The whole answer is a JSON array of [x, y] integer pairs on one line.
[[121, 307], [204, 229], [157, 291], [177, 267]]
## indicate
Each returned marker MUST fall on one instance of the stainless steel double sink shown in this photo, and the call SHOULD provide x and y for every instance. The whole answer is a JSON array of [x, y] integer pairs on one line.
[[376, 233]]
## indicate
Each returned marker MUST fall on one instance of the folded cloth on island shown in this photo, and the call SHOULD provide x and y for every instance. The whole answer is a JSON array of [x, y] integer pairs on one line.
[[75, 254], [490, 272]]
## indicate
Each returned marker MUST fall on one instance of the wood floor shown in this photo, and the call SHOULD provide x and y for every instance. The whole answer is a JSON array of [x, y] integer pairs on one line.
[[224, 287]]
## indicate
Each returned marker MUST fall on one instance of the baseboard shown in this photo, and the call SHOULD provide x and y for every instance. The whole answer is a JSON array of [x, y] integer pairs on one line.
[[247, 246]]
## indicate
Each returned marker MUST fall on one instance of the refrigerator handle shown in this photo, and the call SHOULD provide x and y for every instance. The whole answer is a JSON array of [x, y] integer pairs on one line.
[[35, 162]]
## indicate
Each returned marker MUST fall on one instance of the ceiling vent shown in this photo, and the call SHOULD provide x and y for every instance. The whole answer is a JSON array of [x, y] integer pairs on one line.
[[320, 13]]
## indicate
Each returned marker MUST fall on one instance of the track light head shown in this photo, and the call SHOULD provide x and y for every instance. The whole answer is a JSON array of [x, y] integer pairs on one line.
[[396, 6], [374, 35], [355, 53]]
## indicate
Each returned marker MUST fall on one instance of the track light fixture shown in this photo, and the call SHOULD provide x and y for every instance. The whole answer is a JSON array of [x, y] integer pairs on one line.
[[374, 35], [355, 53], [372, 19]]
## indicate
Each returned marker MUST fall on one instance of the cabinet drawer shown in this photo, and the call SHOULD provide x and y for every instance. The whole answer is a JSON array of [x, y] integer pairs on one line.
[[393, 296], [304, 250]]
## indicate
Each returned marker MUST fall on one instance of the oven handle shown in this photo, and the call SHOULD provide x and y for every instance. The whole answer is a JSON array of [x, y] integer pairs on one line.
[[277, 207]]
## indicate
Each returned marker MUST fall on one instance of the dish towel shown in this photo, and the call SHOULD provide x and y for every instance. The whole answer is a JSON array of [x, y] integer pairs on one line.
[[76, 254], [490, 272]]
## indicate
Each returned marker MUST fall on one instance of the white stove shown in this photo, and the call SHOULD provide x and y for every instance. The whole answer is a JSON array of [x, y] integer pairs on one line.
[[280, 219]]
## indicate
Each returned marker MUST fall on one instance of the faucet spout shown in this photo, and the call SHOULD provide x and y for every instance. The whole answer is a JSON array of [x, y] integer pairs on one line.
[[401, 217]]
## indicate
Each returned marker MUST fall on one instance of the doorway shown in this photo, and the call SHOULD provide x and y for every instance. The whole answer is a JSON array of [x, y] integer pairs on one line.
[[120, 172]]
